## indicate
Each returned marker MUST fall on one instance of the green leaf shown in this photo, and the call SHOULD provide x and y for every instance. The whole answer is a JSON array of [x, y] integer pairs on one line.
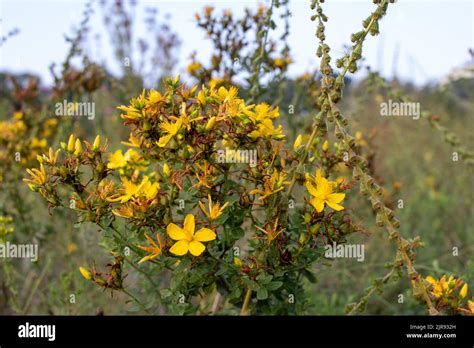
[[274, 285], [262, 294], [264, 278], [250, 283], [185, 262], [310, 276]]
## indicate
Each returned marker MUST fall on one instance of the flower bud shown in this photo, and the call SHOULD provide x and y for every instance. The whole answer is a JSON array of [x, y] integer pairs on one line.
[[85, 273], [33, 187], [96, 144], [325, 146], [379, 220], [146, 126], [303, 238], [70, 143], [166, 171], [77, 148], [463, 292], [211, 123], [297, 143], [238, 262], [315, 228]]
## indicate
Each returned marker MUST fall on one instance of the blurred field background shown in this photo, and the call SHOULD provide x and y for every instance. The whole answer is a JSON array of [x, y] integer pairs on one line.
[[410, 158]]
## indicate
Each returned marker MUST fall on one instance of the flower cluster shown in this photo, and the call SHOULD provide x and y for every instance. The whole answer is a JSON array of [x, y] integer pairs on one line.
[[22, 139], [449, 294], [173, 178]]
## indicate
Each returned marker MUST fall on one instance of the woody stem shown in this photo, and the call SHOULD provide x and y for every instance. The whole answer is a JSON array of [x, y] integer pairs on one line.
[[245, 305]]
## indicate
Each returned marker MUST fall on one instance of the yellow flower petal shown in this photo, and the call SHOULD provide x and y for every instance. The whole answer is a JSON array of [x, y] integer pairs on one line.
[[318, 204], [319, 175], [164, 140], [189, 224], [336, 197], [205, 235], [470, 304], [148, 257], [180, 248], [175, 232], [196, 248], [85, 273], [311, 189], [335, 206]]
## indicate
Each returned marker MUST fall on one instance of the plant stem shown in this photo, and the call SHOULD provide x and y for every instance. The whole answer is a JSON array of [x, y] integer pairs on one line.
[[302, 160], [35, 287], [135, 300], [245, 305]]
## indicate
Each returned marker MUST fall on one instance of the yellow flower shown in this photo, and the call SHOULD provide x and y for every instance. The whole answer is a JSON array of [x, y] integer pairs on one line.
[[155, 97], [187, 240], [171, 128], [442, 287], [262, 112], [271, 185], [155, 250], [359, 139], [214, 209], [85, 273], [201, 98], [133, 141], [71, 247], [116, 160], [132, 158], [323, 194], [36, 143], [131, 190], [149, 190], [136, 108], [282, 62], [193, 67], [228, 97], [37, 176], [262, 117], [266, 129]]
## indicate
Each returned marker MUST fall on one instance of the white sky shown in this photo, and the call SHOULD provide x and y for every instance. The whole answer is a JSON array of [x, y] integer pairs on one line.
[[432, 36]]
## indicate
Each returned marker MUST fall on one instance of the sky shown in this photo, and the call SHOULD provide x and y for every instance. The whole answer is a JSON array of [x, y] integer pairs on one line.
[[421, 40]]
